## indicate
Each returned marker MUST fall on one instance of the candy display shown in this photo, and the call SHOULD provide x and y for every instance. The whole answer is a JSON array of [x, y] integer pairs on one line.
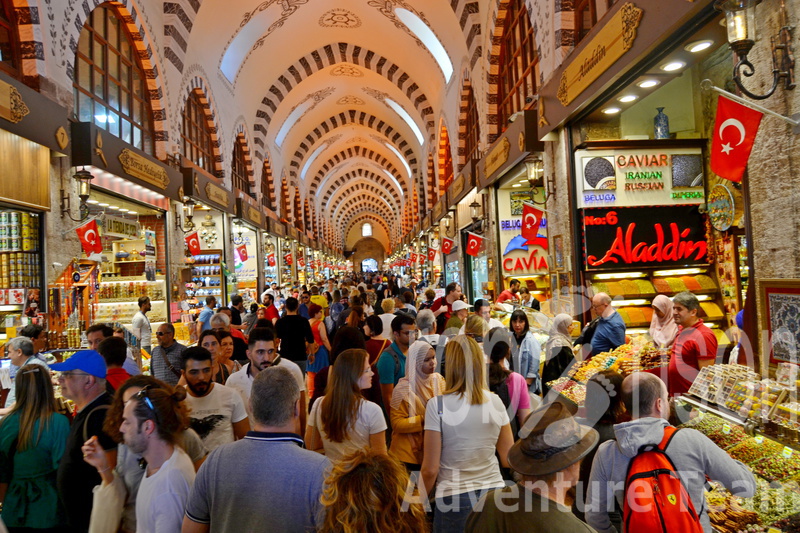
[[727, 435], [570, 389], [778, 467], [726, 513], [752, 450], [772, 503], [754, 399]]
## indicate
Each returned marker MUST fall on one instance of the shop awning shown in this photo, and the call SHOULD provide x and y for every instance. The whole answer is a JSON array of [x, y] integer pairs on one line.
[[203, 187], [93, 146]]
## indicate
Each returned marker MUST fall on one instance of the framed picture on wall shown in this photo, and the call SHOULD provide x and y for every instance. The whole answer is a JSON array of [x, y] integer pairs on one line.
[[780, 319], [558, 252]]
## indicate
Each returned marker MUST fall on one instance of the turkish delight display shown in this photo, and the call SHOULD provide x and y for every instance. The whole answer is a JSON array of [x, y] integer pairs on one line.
[[750, 451]]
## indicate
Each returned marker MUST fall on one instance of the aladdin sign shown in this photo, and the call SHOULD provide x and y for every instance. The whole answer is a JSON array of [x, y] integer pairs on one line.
[[659, 236]]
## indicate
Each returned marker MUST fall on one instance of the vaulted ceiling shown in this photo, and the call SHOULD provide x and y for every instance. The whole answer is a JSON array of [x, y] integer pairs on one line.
[[343, 96]]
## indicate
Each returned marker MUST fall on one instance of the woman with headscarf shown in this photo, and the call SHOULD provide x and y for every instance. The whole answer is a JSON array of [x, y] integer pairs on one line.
[[663, 329], [557, 350], [409, 398]]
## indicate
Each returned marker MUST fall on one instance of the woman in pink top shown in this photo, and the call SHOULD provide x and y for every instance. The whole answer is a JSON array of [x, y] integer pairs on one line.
[[509, 386]]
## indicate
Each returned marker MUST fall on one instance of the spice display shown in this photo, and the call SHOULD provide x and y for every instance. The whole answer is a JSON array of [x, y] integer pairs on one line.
[[661, 285], [711, 310], [752, 450], [772, 503], [778, 467], [691, 283], [600, 287], [726, 435], [705, 282], [629, 286], [645, 287]]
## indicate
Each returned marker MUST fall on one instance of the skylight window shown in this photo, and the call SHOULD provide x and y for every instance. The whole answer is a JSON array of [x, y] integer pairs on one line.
[[400, 156], [296, 113], [429, 39], [311, 159], [394, 180], [397, 108]]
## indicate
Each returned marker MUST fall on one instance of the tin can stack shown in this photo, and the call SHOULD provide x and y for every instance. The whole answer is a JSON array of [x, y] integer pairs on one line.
[[20, 261]]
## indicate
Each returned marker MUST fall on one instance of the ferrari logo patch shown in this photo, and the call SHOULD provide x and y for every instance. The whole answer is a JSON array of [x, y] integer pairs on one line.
[[672, 499]]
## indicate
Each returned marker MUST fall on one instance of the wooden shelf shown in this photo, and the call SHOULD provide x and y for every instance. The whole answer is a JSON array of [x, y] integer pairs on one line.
[[126, 262]]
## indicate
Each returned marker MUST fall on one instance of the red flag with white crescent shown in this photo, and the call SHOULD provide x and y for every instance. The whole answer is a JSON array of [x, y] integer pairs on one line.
[[735, 130], [242, 251], [447, 245], [271, 260], [301, 262], [432, 254], [287, 259], [193, 243], [90, 239], [474, 243]]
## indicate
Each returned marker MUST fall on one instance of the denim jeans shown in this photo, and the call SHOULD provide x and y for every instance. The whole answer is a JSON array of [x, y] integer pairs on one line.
[[451, 513]]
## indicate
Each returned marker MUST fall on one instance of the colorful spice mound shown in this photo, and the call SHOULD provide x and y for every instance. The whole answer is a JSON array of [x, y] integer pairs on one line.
[[778, 467], [706, 282], [661, 285], [691, 283], [727, 435], [645, 287], [676, 284], [772, 504], [751, 452]]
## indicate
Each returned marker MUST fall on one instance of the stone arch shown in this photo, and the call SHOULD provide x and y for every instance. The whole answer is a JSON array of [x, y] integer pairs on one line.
[[367, 248], [130, 17], [468, 14], [361, 218], [198, 86], [353, 175], [362, 200], [349, 153], [332, 55], [333, 196], [353, 117]]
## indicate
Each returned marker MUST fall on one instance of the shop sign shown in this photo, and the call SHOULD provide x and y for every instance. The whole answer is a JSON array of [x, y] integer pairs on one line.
[[535, 261], [608, 45], [655, 236], [12, 108], [253, 215], [149, 245], [720, 207], [458, 187], [120, 227], [497, 157], [217, 194], [140, 167], [639, 177]]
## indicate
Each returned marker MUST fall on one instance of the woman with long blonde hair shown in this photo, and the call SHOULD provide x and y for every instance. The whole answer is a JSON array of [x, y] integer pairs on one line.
[[32, 441], [342, 421], [464, 427], [366, 492]]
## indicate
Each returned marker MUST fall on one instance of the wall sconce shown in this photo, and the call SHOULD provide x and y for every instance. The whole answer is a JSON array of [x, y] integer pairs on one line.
[[188, 215], [476, 213], [84, 179], [740, 17], [237, 226], [535, 168]]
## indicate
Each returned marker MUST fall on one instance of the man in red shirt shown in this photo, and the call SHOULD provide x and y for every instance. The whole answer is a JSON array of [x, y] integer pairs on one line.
[[695, 346], [272, 311], [444, 305], [509, 294]]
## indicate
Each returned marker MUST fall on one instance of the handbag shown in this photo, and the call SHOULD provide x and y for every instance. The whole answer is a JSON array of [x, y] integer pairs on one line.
[[108, 503], [588, 332]]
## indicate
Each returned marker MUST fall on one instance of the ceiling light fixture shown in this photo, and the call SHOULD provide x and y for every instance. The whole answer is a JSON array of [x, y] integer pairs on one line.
[[672, 66], [628, 98], [647, 84], [611, 110], [698, 46]]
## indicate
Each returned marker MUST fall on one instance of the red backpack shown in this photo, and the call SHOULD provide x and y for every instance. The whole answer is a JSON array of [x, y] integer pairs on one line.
[[655, 498]]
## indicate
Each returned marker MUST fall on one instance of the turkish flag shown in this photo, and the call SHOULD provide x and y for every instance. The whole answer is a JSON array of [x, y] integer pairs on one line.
[[90, 240], [193, 242], [431, 254], [271, 260], [242, 251], [473, 244], [287, 259], [447, 245], [301, 262], [735, 130], [531, 220]]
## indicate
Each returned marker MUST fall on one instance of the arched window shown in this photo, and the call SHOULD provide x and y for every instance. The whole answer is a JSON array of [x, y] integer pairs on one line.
[[195, 134], [267, 186], [518, 60], [472, 130], [366, 229], [9, 41], [109, 82], [239, 174], [445, 162]]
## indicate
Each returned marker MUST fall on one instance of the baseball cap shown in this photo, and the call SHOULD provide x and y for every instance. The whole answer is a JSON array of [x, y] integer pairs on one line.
[[458, 305], [88, 361]]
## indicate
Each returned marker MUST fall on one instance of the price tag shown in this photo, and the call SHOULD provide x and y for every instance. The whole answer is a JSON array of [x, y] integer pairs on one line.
[[759, 439], [726, 429], [787, 452]]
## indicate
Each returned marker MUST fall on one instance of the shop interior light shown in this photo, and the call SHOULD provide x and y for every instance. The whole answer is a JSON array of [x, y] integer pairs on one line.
[[620, 275], [517, 185], [679, 272], [114, 206], [611, 110], [93, 202], [647, 84], [103, 204], [628, 98], [698, 46], [704, 297], [626, 303], [672, 66]]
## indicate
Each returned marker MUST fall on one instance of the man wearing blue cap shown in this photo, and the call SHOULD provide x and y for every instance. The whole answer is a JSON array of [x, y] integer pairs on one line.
[[83, 380]]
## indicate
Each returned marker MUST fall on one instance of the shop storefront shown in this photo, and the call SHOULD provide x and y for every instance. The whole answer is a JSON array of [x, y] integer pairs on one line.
[[247, 228], [129, 201], [32, 129], [208, 272], [272, 258], [510, 175]]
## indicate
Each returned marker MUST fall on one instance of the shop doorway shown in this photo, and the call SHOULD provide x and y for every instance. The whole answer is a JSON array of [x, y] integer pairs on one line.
[[369, 265]]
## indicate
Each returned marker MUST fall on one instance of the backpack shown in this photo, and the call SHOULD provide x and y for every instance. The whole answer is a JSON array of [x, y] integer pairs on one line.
[[655, 498], [396, 356]]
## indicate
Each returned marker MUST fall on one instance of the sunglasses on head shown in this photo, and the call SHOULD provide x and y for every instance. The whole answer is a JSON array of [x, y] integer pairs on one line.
[[142, 397]]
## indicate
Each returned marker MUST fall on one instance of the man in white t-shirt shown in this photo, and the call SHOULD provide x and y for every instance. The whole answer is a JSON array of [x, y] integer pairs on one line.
[[152, 422], [141, 325], [262, 354], [217, 412]]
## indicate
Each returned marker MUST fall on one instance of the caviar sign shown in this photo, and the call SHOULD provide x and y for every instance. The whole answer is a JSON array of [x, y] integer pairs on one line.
[[641, 237]]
